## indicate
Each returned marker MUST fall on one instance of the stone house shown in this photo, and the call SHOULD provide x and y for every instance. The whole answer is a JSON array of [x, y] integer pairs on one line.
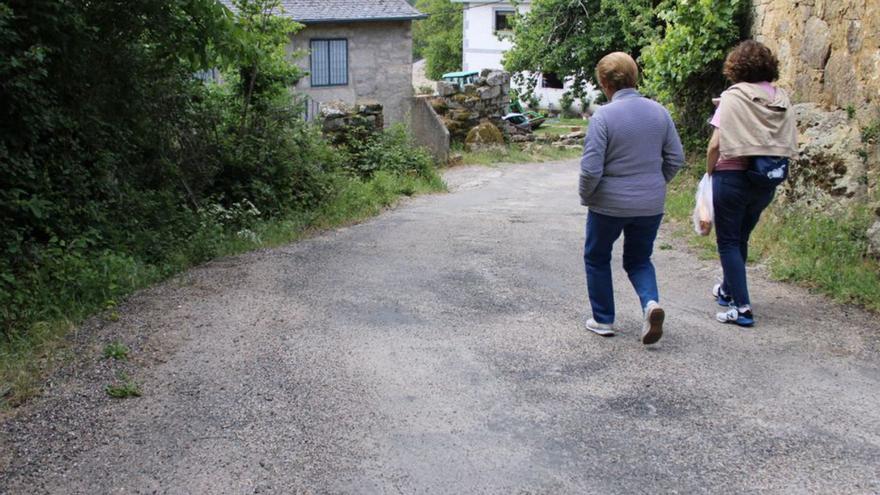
[[357, 50]]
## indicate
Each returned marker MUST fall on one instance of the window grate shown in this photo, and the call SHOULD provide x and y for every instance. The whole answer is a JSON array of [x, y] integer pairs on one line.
[[329, 62]]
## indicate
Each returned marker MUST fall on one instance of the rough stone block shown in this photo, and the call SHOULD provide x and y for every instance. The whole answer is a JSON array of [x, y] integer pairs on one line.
[[462, 115], [446, 88], [497, 78], [487, 93], [829, 162], [484, 136], [369, 107], [333, 124], [439, 105], [333, 109], [817, 46]]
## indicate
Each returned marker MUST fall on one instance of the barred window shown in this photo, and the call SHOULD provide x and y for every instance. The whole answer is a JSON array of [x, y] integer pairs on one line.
[[329, 62]]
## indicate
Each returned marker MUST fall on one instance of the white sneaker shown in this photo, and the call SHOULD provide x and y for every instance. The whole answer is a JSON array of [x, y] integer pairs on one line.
[[603, 329], [652, 329]]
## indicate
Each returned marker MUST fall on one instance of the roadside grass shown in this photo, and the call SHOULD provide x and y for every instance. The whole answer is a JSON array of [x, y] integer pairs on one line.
[[825, 252], [117, 351], [515, 154], [124, 388], [26, 357], [559, 126]]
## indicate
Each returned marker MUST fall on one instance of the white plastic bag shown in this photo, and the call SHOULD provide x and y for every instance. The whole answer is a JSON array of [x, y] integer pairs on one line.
[[704, 214]]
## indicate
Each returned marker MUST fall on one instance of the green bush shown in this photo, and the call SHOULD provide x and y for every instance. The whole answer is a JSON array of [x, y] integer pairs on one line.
[[565, 104], [120, 167], [365, 153], [439, 37], [682, 68], [568, 38], [681, 46]]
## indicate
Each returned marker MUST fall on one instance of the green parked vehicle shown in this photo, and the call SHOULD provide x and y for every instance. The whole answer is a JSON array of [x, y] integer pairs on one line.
[[461, 78]]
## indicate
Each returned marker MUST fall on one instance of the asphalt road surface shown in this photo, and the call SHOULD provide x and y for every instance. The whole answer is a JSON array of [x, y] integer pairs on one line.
[[440, 348]]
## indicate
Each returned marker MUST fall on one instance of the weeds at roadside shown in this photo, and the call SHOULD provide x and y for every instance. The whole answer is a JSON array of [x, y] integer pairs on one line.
[[557, 127], [820, 251], [26, 358], [124, 388], [514, 154], [117, 351], [850, 112], [871, 132]]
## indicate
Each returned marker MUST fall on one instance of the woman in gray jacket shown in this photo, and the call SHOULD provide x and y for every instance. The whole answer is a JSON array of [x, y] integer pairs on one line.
[[632, 151]]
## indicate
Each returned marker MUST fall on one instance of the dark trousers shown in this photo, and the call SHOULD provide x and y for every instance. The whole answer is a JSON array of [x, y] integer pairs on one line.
[[639, 234], [738, 205]]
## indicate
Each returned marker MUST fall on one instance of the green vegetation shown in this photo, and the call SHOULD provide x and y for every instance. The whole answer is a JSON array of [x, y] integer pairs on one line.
[[557, 127], [124, 388], [438, 39], [568, 37], [115, 179], [682, 68], [871, 132], [680, 45], [515, 154], [116, 350], [822, 251]]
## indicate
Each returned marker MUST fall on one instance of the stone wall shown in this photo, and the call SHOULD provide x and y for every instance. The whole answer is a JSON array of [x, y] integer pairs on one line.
[[829, 50], [829, 55], [379, 64], [338, 118], [428, 130], [464, 108]]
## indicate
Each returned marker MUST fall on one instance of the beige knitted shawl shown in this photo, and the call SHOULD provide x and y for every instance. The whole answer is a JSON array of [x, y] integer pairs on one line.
[[753, 125]]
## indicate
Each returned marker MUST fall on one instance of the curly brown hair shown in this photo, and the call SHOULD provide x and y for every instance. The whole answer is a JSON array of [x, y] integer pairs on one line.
[[751, 61]]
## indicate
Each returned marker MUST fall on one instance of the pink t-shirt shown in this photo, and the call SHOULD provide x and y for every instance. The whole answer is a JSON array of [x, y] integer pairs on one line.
[[737, 163]]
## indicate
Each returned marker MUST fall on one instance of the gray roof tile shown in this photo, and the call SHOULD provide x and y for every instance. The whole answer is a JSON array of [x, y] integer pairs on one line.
[[313, 11]]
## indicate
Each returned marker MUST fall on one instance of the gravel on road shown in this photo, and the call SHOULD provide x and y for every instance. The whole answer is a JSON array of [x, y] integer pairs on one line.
[[440, 348]]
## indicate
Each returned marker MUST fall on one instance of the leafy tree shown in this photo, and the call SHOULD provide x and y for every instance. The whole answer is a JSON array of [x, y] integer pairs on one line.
[[683, 67], [680, 45], [118, 165], [100, 134], [261, 68], [439, 37], [568, 37]]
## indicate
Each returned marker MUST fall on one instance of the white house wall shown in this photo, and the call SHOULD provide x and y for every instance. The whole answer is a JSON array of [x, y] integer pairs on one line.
[[482, 49]]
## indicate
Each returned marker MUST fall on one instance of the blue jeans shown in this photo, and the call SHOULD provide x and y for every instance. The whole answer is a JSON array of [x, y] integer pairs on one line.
[[639, 234], [738, 205]]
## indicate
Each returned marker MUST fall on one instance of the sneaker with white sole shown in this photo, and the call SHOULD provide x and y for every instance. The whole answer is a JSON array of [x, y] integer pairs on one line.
[[603, 329], [652, 328], [721, 297], [738, 316]]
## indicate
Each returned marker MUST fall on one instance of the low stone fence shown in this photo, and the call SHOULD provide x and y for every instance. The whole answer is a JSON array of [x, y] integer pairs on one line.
[[464, 108], [428, 129], [338, 117]]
